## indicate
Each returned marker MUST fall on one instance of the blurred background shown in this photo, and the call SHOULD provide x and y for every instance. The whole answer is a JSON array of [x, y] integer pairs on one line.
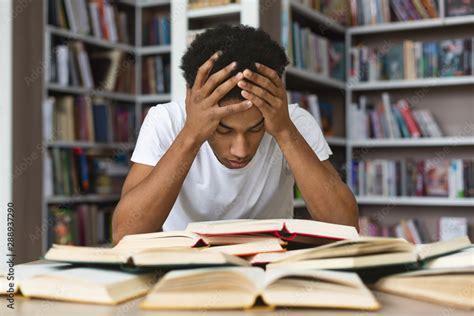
[[390, 82]]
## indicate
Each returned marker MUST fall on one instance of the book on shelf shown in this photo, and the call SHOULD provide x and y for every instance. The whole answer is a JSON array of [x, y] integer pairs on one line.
[[156, 75], [321, 111], [82, 225], [416, 230], [315, 53], [72, 65], [412, 60], [157, 30], [337, 10], [106, 68], [451, 227], [300, 231], [65, 282], [85, 119], [452, 287], [80, 171], [374, 12], [99, 18], [371, 257], [196, 4], [459, 7], [239, 287], [450, 178], [386, 119]]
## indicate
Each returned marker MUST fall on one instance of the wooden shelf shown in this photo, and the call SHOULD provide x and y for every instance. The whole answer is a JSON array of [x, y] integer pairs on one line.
[[53, 30], [154, 98], [208, 12], [336, 141], [315, 78], [411, 25], [152, 50], [414, 142], [67, 144], [407, 84], [317, 17], [91, 92], [419, 201], [89, 198]]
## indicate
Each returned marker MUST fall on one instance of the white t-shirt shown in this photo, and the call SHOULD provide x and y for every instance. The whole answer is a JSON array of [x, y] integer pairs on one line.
[[262, 189]]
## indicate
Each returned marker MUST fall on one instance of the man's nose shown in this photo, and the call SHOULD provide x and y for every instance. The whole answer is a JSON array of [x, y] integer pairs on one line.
[[240, 148]]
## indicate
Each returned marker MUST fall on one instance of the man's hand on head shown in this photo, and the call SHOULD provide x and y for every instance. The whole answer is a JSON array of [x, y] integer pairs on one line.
[[202, 110], [267, 92]]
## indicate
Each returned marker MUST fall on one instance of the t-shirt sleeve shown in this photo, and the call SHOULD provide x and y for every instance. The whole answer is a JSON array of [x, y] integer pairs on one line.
[[155, 137], [311, 132]]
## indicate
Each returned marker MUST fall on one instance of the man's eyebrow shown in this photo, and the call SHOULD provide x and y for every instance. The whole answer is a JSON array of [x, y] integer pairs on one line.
[[225, 126]]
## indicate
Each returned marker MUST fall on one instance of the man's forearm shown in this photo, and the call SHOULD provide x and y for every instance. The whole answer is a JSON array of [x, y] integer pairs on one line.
[[146, 206], [327, 197]]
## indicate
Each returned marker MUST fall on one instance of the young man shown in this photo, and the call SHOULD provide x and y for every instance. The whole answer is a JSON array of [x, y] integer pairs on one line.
[[233, 148]]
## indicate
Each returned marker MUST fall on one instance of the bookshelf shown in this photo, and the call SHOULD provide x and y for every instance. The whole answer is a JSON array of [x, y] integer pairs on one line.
[[450, 100], [341, 93], [136, 50]]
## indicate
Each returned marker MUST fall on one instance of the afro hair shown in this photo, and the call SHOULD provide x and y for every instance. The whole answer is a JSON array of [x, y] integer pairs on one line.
[[244, 44]]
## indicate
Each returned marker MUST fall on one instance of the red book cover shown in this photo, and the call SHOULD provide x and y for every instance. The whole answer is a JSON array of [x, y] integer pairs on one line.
[[405, 110], [103, 22]]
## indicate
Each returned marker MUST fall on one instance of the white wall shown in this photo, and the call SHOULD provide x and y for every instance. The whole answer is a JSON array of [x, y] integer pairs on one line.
[[5, 122]]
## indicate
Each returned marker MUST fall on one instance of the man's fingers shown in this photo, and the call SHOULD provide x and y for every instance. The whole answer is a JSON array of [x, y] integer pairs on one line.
[[269, 73], [222, 111], [256, 90], [224, 87], [212, 82], [262, 81], [204, 69], [263, 106]]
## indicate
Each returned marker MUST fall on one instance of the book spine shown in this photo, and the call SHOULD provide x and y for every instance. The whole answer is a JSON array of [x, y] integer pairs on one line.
[[408, 117]]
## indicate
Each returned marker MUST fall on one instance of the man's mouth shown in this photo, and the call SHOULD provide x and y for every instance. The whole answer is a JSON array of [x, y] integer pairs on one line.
[[235, 164]]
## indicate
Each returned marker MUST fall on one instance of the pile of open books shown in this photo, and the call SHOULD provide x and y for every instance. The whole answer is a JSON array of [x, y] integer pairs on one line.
[[246, 263]]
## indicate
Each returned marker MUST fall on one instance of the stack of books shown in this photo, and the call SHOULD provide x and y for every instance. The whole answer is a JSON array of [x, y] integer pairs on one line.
[[220, 265]]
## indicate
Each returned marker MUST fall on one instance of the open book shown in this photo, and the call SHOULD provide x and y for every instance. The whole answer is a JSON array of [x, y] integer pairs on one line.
[[237, 245], [460, 259], [184, 238], [451, 287], [239, 287], [364, 253], [295, 230], [78, 284], [154, 257]]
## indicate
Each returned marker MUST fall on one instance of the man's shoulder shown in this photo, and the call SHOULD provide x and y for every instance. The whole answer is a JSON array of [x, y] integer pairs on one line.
[[175, 110], [296, 111], [172, 114]]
